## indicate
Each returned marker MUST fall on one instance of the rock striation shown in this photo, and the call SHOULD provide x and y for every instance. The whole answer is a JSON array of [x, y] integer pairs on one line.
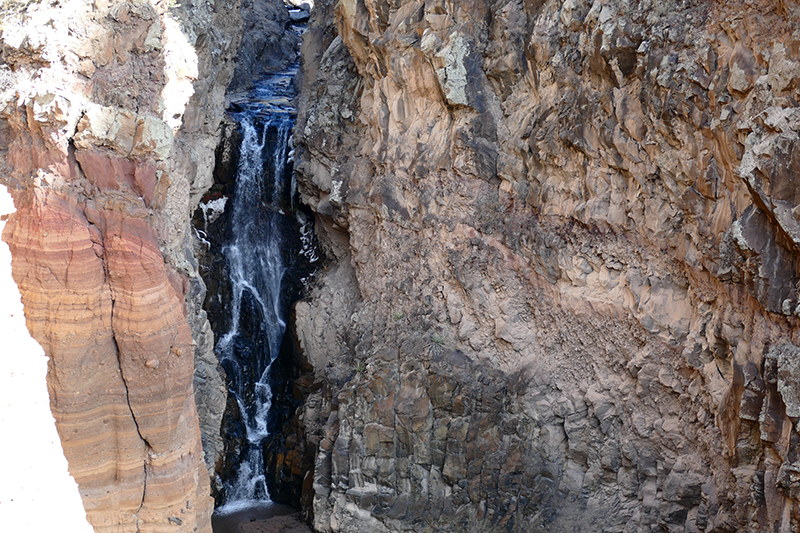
[[38, 474], [563, 281], [107, 130], [270, 42]]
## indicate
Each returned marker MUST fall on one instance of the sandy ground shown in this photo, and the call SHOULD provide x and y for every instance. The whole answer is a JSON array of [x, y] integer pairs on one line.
[[37, 493], [267, 518]]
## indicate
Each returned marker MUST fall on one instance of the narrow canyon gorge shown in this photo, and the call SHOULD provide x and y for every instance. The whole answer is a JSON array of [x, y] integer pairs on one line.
[[538, 263]]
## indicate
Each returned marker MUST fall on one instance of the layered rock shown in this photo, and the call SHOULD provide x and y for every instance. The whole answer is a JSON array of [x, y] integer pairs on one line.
[[115, 331], [564, 289], [109, 123], [38, 475]]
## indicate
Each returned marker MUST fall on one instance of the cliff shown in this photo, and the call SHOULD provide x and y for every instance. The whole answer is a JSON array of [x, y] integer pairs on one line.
[[562, 241], [563, 281], [35, 472], [108, 128]]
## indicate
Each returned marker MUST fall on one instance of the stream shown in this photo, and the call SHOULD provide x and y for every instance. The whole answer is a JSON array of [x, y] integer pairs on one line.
[[268, 249]]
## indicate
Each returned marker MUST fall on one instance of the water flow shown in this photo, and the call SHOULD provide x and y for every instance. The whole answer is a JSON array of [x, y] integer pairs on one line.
[[257, 271]]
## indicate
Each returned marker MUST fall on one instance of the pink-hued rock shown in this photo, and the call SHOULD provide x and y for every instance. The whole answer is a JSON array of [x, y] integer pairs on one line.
[[129, 429], [102, 173], [38, 475]]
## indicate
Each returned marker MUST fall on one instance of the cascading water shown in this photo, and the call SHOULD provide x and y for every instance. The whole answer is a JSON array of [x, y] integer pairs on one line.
[[261, 225]]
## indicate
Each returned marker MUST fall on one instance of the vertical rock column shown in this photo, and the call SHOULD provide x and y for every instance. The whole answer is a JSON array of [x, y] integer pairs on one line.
[[35, 473]]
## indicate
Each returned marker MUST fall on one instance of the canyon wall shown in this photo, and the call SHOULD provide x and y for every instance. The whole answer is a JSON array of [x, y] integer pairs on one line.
[[35, 473], [110, 114], [562, 291]]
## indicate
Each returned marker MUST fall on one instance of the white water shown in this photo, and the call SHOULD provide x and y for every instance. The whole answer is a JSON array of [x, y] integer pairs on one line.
[[258, 317]]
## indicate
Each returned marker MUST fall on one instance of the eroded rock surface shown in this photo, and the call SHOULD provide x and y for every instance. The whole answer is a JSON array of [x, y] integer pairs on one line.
[[269, 44], [38, 476], [107, 135], [564, 286]]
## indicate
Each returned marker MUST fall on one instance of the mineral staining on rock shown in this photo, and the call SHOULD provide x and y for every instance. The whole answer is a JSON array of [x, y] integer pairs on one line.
[[36, 473], [453, 75], [108, 121], [563, 290]]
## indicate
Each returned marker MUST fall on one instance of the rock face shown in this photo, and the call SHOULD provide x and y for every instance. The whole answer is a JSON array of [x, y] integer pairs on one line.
[[38, 475], [563, 290], [108, 128], [269, 42]]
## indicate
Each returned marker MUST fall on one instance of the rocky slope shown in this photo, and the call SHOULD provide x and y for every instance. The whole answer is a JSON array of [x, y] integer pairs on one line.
[[563, 288], [108, 128]]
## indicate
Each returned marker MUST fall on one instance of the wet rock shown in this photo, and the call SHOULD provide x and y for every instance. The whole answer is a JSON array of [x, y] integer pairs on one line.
[[269, 46]]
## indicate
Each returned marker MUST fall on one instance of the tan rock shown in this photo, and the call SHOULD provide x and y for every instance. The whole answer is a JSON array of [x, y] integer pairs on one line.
[[118, 426], [592, 200], [93, 169]]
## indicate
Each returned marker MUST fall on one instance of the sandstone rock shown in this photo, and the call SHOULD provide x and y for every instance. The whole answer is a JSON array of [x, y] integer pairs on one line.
[[119, 425], [102, 172], [38, 475]]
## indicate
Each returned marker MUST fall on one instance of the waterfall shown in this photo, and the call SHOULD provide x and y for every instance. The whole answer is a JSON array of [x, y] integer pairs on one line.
[[260, 222]]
